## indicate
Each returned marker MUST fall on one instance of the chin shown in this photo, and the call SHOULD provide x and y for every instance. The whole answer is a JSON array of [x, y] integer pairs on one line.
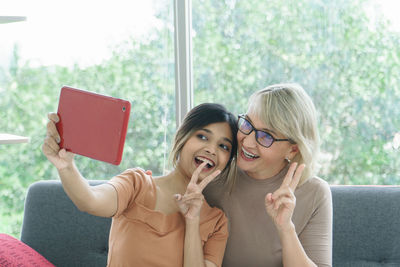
[[243, 163]]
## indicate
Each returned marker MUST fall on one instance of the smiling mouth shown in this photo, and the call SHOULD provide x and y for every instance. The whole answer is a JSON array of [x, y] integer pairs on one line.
[[200, 160], [249, 155]]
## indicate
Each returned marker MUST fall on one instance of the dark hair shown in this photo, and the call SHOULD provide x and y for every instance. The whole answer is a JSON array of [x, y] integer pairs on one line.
[[198, 117]]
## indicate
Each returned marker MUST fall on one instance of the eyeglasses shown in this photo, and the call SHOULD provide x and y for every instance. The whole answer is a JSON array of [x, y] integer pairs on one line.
[[262, 137]]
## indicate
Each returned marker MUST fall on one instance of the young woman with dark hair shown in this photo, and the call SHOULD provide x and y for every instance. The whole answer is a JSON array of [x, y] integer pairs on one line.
[[161, 221]]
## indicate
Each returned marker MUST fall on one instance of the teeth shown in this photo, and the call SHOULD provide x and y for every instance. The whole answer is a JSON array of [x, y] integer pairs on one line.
[[248, 154], [209, 162]]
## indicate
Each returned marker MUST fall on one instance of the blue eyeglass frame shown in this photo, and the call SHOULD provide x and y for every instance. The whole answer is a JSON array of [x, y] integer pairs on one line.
[[257, 131]]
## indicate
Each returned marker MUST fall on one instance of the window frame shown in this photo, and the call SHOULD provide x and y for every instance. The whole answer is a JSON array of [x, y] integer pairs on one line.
[[183, 58]]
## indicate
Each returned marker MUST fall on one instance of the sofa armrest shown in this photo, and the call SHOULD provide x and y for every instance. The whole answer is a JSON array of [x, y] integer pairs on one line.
[[54, 227]]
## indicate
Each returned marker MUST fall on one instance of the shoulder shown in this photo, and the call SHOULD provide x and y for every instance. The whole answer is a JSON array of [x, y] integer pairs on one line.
[[316, 190], [316, 187], [315, 184], [134, 177], [134, 174], [214, 192], [133, 186], [213, 224], [212, 214]]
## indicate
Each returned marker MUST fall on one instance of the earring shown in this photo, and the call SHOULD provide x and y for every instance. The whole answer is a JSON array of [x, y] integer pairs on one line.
[[287, 159]]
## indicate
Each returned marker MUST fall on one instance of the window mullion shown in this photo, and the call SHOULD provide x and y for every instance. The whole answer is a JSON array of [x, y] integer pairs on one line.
[[183, 58]]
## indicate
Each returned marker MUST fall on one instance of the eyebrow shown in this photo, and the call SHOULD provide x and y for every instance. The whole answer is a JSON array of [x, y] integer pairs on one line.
[[210, 132], [264, 129]]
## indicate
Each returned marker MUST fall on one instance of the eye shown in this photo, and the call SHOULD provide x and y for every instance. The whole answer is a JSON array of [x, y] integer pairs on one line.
[[225, 147], [201, 136], [265, 135]]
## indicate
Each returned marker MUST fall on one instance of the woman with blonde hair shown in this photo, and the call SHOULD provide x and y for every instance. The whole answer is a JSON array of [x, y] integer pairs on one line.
[[280, 213]]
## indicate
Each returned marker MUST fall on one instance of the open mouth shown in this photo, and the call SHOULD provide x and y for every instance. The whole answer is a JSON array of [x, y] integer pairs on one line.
[[249, 155], [200, 160]]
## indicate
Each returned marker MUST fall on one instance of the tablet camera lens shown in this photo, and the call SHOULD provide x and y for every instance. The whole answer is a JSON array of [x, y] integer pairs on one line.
[[123, 109]]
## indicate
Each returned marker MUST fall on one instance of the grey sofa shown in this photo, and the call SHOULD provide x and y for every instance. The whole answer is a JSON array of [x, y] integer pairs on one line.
[[366, 227]]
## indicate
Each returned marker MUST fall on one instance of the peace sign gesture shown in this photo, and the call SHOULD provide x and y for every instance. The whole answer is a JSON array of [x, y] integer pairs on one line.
[[190, 203], [281, 203]]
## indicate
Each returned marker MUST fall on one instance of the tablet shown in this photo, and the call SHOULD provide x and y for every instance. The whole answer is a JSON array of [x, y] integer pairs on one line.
[[92, 125]]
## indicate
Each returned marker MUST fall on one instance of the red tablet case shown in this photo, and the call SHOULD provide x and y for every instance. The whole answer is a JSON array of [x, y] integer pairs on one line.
[[93, 125]]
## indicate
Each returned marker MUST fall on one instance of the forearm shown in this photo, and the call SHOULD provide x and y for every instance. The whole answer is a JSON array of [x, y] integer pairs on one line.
[[193, 250], [293, 254], [76, 187]]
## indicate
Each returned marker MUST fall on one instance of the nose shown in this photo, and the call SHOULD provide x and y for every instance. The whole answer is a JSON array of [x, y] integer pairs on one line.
[[248, 140], [210, 149]]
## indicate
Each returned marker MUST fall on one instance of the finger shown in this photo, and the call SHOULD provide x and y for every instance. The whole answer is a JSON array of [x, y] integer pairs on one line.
[[283, 201], [297, 176], [52, 143], [282, 192], [196, 173], [47, 150], [53, 117], [192, 196], [289, 174], [148, 172], [52, 131], [208, 179]]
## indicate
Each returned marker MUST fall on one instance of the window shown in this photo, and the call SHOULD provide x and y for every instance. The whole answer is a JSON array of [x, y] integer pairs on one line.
[[344, 53], [119, 48]]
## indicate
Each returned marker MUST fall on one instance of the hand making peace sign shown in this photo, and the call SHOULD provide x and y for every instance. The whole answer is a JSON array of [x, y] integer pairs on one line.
[[190, 203], [281, 203]]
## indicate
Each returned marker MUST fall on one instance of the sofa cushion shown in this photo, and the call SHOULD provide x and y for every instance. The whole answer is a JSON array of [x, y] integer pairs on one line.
[[54, 227], [15, 253], [366, 226]]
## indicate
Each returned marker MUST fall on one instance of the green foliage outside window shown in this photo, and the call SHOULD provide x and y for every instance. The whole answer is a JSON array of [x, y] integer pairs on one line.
[[137, 72], [348, 63], [347, 60]]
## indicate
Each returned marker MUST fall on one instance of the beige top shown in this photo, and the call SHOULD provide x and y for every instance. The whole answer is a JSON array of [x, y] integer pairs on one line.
[[141, 236], [253, 239]]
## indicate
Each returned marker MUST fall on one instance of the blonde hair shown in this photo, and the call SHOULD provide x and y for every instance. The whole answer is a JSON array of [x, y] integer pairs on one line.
[[288, 109]]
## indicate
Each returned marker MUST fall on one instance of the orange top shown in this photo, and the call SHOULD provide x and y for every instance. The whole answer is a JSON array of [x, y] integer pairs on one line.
[[141, 236]]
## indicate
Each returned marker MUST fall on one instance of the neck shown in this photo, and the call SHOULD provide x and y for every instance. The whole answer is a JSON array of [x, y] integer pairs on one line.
[[177, 180], [266, 173]]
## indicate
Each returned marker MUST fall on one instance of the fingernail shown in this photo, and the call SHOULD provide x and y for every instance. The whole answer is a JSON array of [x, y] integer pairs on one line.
[[58, 139]]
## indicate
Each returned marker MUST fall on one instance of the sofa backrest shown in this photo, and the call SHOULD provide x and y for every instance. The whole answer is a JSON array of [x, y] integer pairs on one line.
[[366, 227], [54, 227]]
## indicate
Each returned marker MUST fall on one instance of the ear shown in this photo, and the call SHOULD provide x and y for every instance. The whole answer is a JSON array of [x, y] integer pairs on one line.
[[293, 150]]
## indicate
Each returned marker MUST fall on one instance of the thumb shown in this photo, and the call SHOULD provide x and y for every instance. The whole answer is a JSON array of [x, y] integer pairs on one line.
[[181, 206], [268, 199], [177, 197], [65, 155]]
